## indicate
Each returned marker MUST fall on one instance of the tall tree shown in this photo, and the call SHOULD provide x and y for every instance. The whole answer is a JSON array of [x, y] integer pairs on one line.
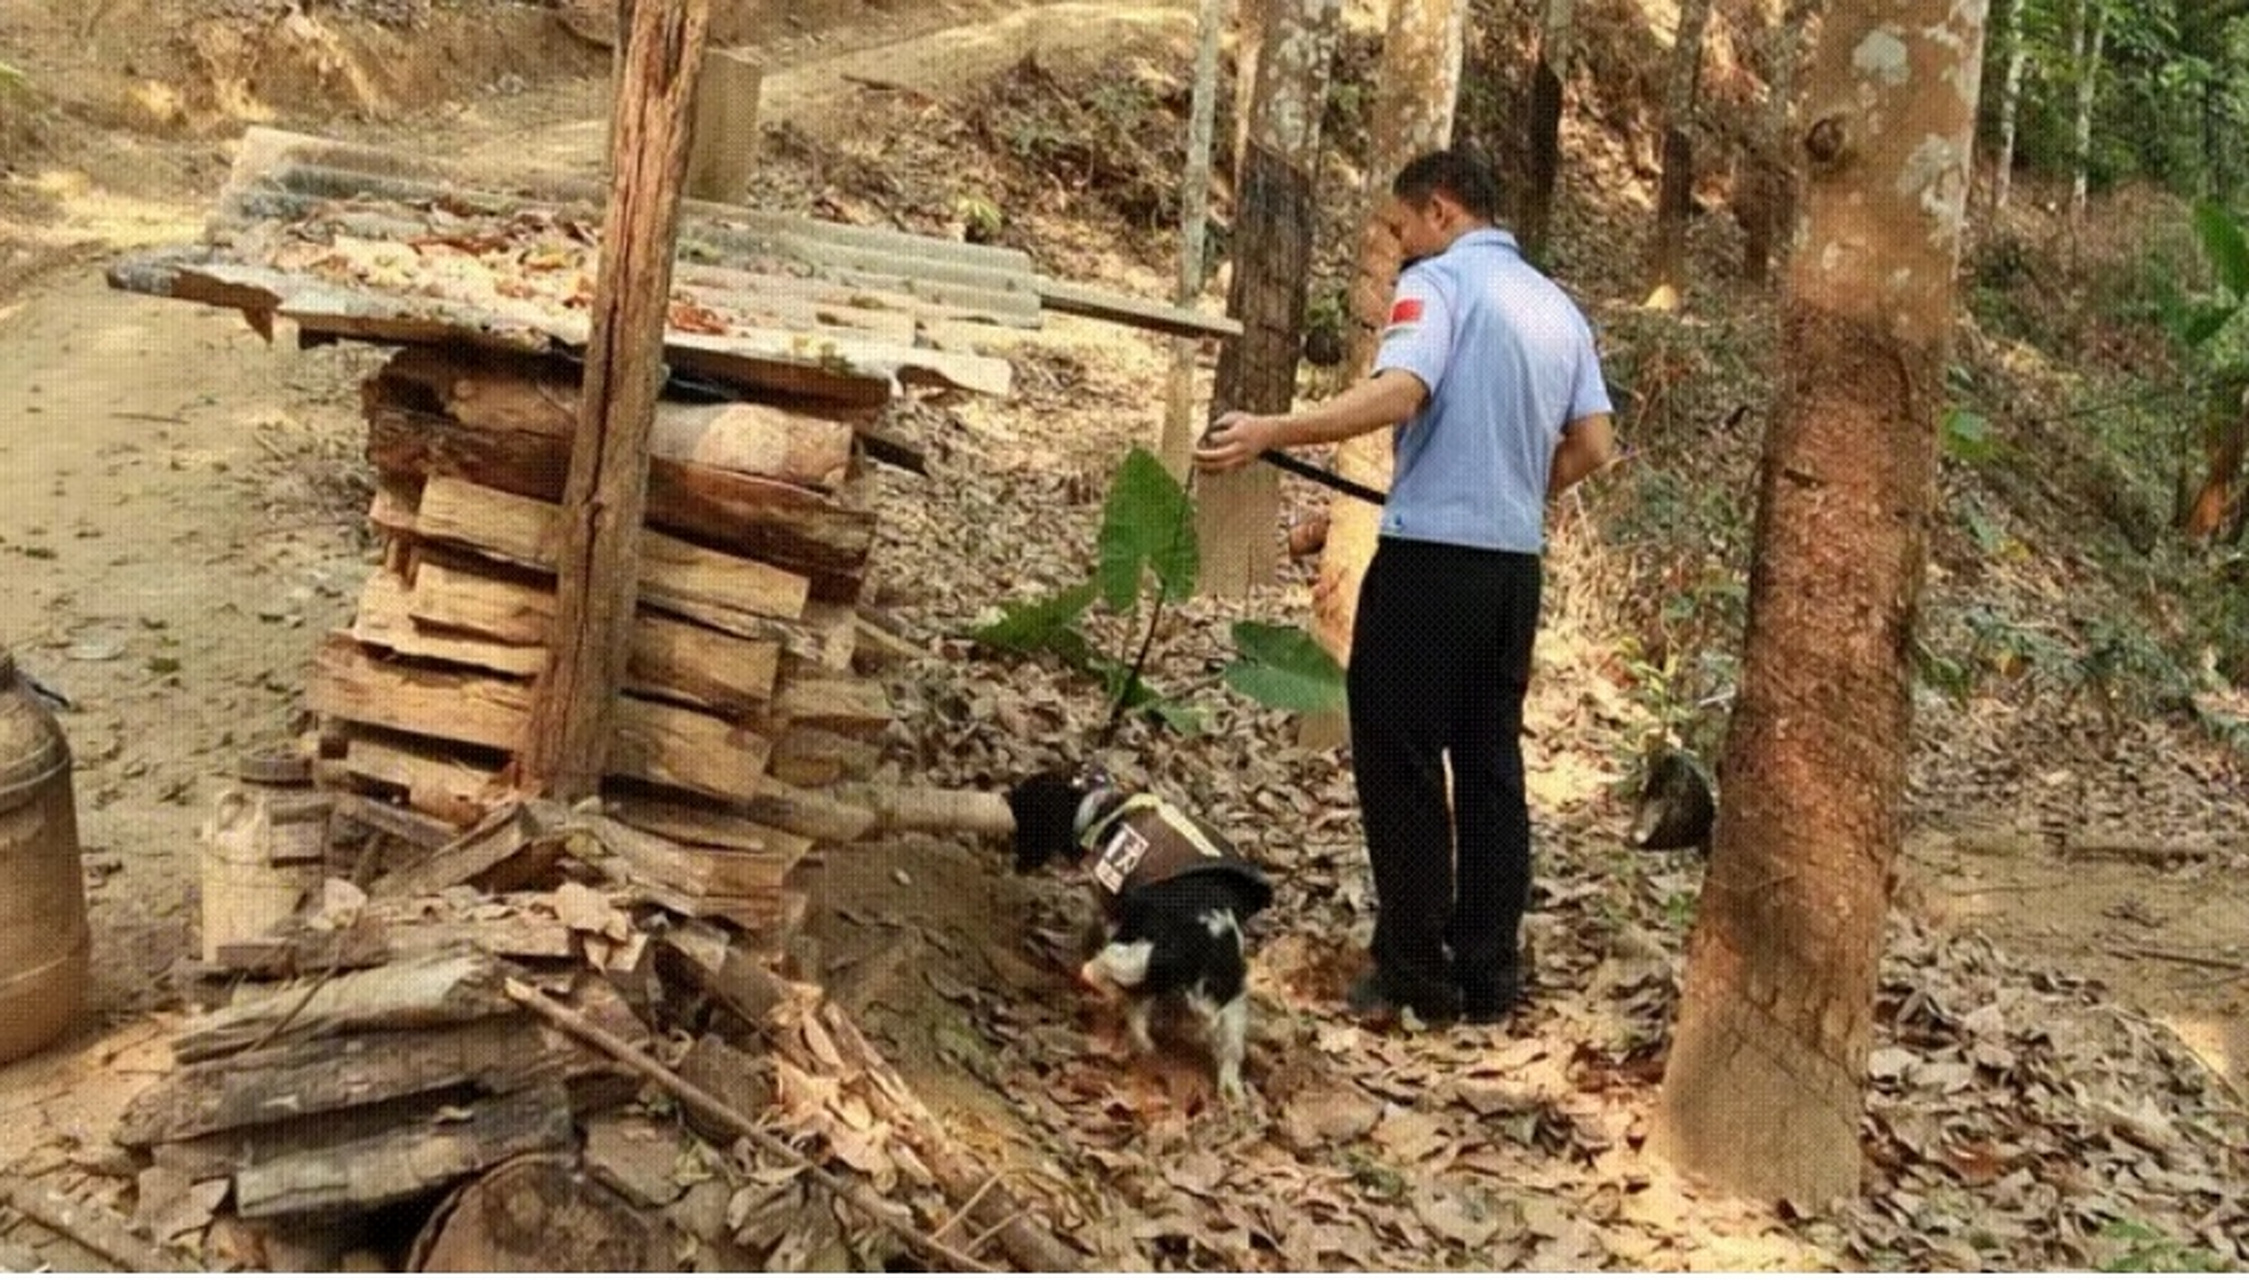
[[1548, 79], [1194, 217], [1667, 251], [1418, 90], [1764, 1087], [1272, 257]]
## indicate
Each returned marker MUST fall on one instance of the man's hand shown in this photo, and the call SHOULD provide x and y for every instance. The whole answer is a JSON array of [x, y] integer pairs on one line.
[[1235, 440]]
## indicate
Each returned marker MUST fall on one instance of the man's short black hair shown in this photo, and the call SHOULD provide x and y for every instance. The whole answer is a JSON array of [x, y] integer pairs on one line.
[[1458, 173]]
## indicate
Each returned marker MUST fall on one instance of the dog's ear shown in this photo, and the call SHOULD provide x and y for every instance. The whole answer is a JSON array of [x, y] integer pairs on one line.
[[1045, 806]]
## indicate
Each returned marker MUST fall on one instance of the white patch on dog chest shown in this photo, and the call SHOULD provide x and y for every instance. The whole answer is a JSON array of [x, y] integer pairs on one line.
[[1220, 922]]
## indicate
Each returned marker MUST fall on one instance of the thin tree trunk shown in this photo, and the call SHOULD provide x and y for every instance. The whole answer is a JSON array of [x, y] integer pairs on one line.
[[1764, 1087], [1771, 189], [1194, 218], [1252, 18], [1272, 261], [2088, 50], [1667, 253], [2010, 101], [1548, 80], [1418, 91]]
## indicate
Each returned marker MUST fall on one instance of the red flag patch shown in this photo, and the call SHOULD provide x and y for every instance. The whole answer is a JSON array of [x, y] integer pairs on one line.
[[1406, 311]]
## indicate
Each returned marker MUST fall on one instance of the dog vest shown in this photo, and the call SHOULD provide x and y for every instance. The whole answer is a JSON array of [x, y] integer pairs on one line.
[[1145, 840]]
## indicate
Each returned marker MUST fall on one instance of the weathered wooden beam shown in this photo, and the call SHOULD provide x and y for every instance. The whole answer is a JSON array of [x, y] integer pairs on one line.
[[301, 1081], [601, 543], [423, 992], [370, 1172]]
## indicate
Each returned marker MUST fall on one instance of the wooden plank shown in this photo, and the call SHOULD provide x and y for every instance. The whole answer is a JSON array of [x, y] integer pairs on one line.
[[826, 538], [438, 778], [827, 699], [657, 742], [701, 825], [295, 1082], [369, 944], [688, 868], [385, 621], [1181, 322], [674, 574], [669, 657], [450, 705], [501, 836], [423, 992], [653, 741], [371, 1172]]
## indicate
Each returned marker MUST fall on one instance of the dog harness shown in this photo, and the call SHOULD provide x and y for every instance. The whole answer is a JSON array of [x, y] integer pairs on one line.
[[1144, 839]]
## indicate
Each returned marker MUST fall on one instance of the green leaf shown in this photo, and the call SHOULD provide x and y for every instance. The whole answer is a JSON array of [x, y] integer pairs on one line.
[[1284, 667], [2223, 241], [1028, 626], [1967, 436], [2203, 322], [1146, 521]]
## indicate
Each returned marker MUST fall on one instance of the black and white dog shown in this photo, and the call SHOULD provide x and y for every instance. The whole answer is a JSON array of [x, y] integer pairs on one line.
[[1173, 895]]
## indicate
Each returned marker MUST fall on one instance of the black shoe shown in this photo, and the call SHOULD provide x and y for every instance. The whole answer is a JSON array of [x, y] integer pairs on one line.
[[1482, 1006], [1371, 1001]]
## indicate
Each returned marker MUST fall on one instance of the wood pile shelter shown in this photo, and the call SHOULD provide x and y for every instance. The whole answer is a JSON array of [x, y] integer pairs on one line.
[[751, 709]]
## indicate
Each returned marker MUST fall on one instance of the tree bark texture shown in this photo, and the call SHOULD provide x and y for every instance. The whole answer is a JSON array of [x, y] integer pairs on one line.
[[1418, 88], [1763, 1089], [1667, 251], [1194, 224], [1272, 253], [603, 500], [1548, 79]]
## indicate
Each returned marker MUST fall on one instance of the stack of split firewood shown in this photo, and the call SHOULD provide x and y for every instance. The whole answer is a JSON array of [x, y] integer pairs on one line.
[[749, 671]]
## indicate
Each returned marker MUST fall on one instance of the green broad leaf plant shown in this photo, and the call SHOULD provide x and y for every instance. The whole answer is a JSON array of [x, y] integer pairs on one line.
[[1147, 555]]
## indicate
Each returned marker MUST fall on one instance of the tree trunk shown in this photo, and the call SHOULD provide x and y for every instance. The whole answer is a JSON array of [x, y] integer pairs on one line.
[[608, 485], [1194, 217], [1252, 19], [1547, 81], [1769, 197], [2010, 103], [1418, 89], [1667, 253], [1763, 1090], [2086, 45], [1272, 256]]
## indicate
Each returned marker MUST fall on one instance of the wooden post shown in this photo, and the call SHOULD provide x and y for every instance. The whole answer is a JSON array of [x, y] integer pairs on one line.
[[598, 574], [723, 154]]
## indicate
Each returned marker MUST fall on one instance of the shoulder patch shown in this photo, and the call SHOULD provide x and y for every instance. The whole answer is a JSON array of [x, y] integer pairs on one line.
[[1406, 311]]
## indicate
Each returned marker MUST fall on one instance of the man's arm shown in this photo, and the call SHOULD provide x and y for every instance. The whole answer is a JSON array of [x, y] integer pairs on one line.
[[1388, 398], [1588, 444]]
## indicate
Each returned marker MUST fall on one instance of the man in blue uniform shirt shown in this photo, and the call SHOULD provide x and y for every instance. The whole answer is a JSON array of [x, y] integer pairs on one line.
[[1488, 373]]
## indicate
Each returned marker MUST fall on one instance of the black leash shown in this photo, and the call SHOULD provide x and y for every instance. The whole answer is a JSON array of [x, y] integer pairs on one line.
[[1321, 475]]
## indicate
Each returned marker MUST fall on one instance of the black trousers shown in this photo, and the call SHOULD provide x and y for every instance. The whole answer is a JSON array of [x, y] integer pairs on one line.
[[1440, 660]]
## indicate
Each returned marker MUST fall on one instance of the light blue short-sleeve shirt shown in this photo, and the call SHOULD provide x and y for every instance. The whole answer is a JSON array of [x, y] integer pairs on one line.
[[1509, 362]]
